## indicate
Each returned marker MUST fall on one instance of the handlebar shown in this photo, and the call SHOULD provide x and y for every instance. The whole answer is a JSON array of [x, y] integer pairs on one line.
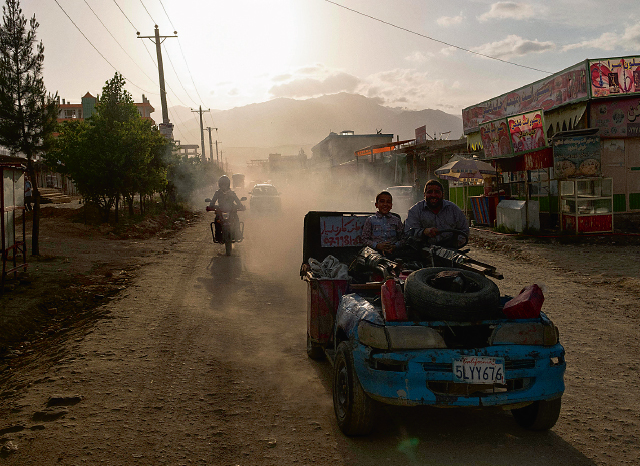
[[217, 209], [459, 233]]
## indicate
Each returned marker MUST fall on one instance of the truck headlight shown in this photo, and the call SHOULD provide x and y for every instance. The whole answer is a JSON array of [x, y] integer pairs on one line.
[[525, 333], [414, 337], [372, 335]]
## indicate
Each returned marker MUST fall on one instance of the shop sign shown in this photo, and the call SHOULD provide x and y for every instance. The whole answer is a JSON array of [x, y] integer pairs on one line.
[[617, 118], [538, 160], [576, 156], [559, 89], [495, 139], [421, 134], [527, 132], [614, 77], [341, 231]]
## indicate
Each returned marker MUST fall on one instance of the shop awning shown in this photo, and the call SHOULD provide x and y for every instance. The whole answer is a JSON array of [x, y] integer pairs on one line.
[[564, 118], [535, 160], [474, 141], [380, 148]]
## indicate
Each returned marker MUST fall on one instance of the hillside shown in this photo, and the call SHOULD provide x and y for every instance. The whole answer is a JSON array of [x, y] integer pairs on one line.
[[282, 125]]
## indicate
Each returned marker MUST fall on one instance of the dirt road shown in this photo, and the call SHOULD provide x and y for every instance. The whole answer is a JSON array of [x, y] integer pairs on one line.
[[201, 360]]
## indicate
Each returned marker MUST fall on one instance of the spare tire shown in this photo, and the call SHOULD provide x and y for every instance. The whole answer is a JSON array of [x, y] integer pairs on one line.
[[480, 300]]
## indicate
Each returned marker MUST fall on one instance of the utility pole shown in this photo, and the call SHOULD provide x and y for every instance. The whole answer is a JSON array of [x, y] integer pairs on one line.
[[209, 128], [217, 159], [204, 157], [166, 127]]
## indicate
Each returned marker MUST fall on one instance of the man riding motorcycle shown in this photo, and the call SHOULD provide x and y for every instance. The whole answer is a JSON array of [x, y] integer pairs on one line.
[[227, 202]]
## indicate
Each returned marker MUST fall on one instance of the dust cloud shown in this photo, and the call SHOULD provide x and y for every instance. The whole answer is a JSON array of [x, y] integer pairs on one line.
[[273, 240], [261, 281]]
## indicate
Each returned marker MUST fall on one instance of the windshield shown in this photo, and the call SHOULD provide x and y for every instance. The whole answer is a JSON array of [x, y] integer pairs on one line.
[[265, 191]]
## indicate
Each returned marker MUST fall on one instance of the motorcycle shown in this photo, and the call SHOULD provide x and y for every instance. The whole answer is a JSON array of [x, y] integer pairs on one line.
[[227, 227]]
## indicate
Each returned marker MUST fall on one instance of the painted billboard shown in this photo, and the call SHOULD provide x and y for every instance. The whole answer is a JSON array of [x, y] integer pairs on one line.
[[495, 139], [561, 88], [617, 118], [527, 132], [614, 77], [576, 156]]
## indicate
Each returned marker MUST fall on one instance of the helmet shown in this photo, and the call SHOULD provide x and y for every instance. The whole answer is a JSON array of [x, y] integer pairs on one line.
[[224, 182]]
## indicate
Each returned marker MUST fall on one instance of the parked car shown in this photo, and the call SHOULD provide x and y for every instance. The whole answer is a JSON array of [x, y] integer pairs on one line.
[[403, 199], [435, 331], [264, 197]]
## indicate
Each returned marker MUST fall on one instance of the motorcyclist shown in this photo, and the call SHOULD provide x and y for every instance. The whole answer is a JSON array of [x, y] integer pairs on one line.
[[227, 201]]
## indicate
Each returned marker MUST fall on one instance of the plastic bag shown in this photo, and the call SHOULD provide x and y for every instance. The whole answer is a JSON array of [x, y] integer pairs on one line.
[[330, 267]]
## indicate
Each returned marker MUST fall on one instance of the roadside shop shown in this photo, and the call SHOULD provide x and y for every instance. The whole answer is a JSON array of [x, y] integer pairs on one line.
[[529, 134]]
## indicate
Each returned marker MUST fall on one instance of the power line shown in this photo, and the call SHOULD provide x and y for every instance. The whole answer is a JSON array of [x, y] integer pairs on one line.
[[166, 52], [165, 12], [136, 29], [145, 9], [95, 48], [187, 65], [114, 1], [177, 77], [123, 49], [150, 56], [184, 58], [210, 118], [435, 40], [182, 122]]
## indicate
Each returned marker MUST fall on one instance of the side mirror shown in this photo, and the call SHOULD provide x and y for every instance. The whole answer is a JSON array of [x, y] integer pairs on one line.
[[243, 198], [207, 200]]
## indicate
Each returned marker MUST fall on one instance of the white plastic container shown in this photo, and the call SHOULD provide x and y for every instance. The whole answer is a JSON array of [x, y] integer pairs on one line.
[[512, 215]]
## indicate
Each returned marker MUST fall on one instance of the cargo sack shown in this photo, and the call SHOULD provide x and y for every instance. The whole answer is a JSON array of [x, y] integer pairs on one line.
[[526, 305]]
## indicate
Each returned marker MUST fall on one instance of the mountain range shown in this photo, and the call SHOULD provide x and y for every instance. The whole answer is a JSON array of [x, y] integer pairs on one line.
[[287, 125]]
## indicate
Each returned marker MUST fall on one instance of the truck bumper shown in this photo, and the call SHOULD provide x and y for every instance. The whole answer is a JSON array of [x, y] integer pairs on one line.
[[425, 377]]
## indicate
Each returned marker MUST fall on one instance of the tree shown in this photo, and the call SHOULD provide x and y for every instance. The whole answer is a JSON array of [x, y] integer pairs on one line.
[[27, 113], [145, 171], [114, 154]]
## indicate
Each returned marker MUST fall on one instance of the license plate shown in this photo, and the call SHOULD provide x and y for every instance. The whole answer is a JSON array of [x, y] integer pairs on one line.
[[479, 370]]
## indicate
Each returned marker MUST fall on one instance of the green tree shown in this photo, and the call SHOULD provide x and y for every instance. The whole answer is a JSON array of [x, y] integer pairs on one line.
[[27, 113], [114, 154], [145, 172]]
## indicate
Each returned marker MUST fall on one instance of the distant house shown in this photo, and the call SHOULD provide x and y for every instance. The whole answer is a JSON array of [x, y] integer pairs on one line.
[[188, 150], [336, 148], [87, 107]]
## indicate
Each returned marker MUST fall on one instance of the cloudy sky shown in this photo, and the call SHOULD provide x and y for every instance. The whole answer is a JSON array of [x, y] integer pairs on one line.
[[414, 54]]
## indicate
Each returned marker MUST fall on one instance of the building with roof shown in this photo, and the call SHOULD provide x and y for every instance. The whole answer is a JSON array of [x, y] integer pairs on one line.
[[524, 132], [338, 148], [87, 107]]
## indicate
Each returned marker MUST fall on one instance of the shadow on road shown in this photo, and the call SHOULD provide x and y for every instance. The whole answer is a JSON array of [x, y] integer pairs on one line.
[[467, 436]]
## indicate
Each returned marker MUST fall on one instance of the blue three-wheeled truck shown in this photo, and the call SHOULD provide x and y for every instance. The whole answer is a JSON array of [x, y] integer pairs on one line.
[[429, 328]]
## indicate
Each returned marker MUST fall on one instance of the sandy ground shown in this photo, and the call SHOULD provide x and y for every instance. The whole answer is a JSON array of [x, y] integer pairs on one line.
[[161, 350]]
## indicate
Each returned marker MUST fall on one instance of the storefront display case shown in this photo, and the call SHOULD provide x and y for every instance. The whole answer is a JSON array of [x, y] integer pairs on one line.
[[586, 205]]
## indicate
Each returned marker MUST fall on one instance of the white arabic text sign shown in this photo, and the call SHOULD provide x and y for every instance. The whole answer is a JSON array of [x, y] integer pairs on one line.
[[341, 231]]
